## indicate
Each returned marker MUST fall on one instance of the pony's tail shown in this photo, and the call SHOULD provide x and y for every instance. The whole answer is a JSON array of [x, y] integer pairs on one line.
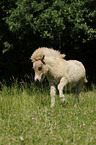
[[85, 80]]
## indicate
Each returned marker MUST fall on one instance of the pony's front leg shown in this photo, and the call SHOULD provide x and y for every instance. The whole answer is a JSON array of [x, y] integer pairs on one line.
[[61, 85], [52, 93]]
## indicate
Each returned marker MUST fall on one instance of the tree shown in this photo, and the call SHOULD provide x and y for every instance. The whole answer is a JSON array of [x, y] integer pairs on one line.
[[57, 23], [5, 6], [55, 20]]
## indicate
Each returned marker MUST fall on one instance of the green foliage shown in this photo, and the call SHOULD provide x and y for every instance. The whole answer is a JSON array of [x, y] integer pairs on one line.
[[7, 47], [68, 25], [5, 6], [55, 19], [26, 117]]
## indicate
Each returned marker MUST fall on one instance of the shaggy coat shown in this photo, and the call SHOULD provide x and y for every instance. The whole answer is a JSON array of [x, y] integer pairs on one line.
[[60, 73], [40, 52]]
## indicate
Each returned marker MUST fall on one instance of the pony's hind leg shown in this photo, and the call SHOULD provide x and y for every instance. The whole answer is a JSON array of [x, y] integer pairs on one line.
[[61, 85], [77, 91]]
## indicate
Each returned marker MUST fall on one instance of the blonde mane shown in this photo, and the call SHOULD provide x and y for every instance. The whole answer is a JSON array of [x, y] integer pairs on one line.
[[44, 51]]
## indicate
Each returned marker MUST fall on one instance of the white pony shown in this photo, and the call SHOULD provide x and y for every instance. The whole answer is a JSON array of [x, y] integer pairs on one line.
[[60, 73]]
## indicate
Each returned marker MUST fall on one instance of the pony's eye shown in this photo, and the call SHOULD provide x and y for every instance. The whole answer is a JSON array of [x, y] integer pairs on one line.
[[40, 68]]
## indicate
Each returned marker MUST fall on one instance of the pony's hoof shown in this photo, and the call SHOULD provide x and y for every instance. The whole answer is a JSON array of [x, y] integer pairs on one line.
[[52, 105], [63, 100]]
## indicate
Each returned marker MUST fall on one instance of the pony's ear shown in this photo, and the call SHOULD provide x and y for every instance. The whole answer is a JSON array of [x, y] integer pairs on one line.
[[63, 55], [36, 59], [42, 60], [32, 59]]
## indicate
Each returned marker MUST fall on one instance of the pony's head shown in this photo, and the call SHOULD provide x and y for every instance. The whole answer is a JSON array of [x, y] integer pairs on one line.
[[40, 69]]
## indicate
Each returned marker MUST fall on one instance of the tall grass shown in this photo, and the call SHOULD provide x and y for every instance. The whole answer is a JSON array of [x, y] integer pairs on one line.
[[26, 117]]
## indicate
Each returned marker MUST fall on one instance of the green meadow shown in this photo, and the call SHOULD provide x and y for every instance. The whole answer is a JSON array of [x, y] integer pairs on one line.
[[27, 119]]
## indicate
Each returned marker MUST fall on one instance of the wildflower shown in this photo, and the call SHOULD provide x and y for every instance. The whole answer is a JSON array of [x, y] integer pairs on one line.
[[10, 130], [21, 138]]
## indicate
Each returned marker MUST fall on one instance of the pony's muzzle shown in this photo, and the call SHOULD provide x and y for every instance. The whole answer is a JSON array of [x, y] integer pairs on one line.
[[37, 78]]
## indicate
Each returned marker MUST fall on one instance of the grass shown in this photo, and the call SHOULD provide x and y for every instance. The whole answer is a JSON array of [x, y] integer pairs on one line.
[[26, 117]]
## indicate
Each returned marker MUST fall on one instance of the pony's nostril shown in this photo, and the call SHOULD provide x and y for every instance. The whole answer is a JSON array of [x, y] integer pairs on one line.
[[37, 78]]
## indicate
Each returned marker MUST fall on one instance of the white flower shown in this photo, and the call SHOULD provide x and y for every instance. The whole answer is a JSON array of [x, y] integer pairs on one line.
[[21, 138]]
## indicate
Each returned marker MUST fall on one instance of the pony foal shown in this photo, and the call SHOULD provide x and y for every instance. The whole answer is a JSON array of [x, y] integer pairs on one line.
[[60, 73]]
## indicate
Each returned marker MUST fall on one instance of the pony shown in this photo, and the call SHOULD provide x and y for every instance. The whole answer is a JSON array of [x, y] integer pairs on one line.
[[60, 73]]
